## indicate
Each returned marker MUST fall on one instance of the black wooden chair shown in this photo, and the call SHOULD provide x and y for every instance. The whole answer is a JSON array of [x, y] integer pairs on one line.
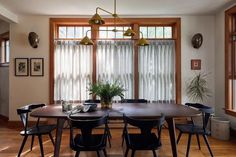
[[146, 140], [131, 101], [109, 132], [36, 130], [87, 140], [193, 129]]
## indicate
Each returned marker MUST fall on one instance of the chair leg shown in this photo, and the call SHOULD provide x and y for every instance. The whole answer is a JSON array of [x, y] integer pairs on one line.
[[105, 152], [109, 141], [50, 135], [22, 145], [198, 141], [98, 154], [32, 143], [180, 134], [189, 143], [133, 152], [126, 152], [77, 154], [154, 153], [41, 145], [208, 146], [123, 139]]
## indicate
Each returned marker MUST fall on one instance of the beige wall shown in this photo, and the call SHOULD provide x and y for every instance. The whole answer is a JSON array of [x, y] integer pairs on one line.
[[4, 26], [219, 66], [24, 90], [4, 78], [4, 91], [205, 25]]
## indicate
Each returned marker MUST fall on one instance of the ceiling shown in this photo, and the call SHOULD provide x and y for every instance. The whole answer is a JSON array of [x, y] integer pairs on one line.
[[124, 7]]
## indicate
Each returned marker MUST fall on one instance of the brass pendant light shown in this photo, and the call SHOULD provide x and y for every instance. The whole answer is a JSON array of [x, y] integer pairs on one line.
[[86, 41], [98, 20], [129, 32], [142, 42]]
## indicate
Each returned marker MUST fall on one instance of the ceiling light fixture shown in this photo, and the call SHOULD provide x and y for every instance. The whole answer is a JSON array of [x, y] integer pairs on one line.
[[98, 20]]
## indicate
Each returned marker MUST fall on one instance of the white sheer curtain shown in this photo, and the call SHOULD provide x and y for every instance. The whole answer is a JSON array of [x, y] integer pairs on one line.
[[115, 62], [72, 70], [157, 71]]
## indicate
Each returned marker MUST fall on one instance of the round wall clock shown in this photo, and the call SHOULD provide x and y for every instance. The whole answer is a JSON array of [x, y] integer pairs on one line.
[[197, 40]]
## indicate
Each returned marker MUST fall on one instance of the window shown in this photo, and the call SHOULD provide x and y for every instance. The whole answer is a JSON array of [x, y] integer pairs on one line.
[[156, 65], [151, 72], [107, 33], [230, 61], [5, 49], [156, 32], [73, 32], [72, 64]]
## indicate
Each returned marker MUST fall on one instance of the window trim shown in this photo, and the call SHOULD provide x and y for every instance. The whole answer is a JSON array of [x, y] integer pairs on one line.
[[134, 23], [4, 37], [230, 15]]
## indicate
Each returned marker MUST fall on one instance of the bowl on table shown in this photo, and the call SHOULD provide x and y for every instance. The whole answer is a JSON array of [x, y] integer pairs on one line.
[[92, 106]]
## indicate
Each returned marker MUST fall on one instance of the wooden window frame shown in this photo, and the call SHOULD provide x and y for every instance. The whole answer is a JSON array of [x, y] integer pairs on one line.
[[3, 38], [134, 23], [230, 30]]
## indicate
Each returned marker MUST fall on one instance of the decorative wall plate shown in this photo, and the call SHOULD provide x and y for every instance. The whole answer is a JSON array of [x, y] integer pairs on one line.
[[197, 40]]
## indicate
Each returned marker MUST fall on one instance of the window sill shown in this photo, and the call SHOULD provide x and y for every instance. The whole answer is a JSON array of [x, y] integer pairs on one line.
[[230, 112], [4, 64]]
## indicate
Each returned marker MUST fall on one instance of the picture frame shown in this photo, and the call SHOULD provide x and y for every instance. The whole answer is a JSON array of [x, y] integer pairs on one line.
[[36, 67], [21, 67], [196, 64]]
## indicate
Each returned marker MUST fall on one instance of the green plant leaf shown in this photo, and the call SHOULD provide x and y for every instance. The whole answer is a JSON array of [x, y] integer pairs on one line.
[[107, 91], [197, 89]]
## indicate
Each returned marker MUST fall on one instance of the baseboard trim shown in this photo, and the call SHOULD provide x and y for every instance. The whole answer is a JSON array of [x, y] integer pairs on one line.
[[3, 118]]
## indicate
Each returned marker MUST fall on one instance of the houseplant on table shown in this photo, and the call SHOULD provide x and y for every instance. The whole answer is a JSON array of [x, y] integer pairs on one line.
[[106, 91]]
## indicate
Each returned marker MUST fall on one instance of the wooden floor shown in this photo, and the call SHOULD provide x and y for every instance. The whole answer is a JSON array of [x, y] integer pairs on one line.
[[10, 141]]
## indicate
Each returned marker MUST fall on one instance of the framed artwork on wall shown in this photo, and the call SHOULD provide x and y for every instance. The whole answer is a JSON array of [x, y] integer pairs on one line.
[[21, 67], [196, 64], [36, 67]]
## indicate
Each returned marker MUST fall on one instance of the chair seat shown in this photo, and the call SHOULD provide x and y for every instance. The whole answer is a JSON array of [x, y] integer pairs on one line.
[[190, 128], [40, 130], [144, 142], [94, 143]]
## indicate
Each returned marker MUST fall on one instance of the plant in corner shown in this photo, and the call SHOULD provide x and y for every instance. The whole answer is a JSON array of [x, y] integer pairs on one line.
[[107, 91], [197, 88]]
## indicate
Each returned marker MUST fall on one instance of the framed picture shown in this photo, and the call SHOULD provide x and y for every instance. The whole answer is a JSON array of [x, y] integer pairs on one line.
[[36, 67], [196, 64], [21, 67]]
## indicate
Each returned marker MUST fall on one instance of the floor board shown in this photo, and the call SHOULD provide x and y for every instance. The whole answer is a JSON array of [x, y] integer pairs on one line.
[[10, 141]]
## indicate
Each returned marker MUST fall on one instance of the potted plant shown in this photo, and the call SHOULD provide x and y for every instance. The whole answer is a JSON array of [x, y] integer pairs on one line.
[[197, 88], [107, 91]]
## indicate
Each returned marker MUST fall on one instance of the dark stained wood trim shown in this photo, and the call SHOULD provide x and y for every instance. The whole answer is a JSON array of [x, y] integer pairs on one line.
[[177, 35], [136, 63], [135, 23], [51, 61], [229, 60], [5, 35], [109, 21], [230, 112]]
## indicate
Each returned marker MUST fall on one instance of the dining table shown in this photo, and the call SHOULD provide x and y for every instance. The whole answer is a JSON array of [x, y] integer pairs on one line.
[[139, 110]]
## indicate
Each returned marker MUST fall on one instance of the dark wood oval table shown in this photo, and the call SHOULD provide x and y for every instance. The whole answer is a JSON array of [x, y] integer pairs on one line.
[[139, 110]]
